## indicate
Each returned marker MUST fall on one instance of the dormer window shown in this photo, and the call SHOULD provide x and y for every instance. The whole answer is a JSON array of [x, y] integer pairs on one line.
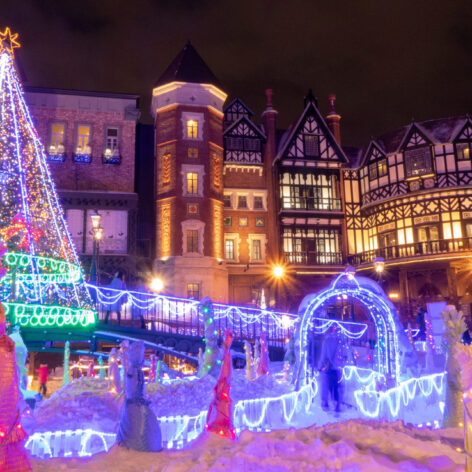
[[312, 145], [418, 161], [192, 129], [463, 151], [378, 169]]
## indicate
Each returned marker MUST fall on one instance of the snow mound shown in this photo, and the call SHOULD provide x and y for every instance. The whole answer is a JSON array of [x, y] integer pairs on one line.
[[82, 403], [355, 446]]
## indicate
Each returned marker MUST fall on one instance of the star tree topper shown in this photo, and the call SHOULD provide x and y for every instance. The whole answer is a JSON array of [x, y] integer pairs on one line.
[[8, 41]]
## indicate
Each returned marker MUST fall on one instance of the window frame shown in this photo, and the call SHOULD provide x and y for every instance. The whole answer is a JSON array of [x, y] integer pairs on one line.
[[193, 284], [408, 160], [58, 156], [192, 183], [83, 157], [316, 142], [246, 207], [193, 247], [232, 249], [467, 145], [191, 128]]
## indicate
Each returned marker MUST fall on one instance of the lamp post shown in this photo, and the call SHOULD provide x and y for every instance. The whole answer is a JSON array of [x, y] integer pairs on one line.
[[157, 285], [97, 232], [379, 266], [278, 272]]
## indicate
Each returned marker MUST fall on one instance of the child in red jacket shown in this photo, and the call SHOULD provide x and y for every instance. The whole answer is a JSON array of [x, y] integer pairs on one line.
[[43, 373]]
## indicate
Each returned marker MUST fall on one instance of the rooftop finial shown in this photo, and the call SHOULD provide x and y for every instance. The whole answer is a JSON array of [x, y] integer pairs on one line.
[[310, 98], [332, 101], [269, 93]]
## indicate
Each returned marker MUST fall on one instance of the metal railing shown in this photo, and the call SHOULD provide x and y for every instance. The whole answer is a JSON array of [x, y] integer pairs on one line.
[[426, 248], [182, 316], [310, 203], [314, 258]]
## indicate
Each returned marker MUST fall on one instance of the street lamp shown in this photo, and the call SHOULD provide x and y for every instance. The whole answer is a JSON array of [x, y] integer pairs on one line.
[[379, 266], [278, 271], [157, 284], [97, 232]]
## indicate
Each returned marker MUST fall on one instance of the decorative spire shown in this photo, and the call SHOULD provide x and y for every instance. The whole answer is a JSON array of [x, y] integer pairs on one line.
[[8, 41], [332, 101]]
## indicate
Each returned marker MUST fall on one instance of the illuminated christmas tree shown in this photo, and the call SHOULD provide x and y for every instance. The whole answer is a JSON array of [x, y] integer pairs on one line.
[[44, 285]]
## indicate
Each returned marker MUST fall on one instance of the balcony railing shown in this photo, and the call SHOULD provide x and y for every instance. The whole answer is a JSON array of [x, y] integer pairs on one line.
[[56, 156], [314, 258], [82, 158], [310, 203], [115, 159], [426, 248]]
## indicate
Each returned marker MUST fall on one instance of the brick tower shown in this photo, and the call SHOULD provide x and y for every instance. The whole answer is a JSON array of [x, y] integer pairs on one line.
[[187, 104]]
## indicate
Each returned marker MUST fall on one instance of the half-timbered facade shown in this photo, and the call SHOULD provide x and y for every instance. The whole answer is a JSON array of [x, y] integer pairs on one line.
[[414, 211]]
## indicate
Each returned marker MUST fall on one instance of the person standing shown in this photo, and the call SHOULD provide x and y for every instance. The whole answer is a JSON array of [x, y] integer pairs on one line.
[[137, 310], [329, 369], [43, 374], [118, 283]]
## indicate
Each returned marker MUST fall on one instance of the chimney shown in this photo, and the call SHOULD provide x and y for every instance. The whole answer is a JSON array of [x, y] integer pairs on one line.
[[269, 118], [333, 119]]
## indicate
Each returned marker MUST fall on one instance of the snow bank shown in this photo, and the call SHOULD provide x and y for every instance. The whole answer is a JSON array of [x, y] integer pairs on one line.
[[356, 445]]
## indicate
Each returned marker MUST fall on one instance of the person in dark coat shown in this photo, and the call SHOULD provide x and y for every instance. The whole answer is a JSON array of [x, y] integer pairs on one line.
[[118, 283], [329, 369]]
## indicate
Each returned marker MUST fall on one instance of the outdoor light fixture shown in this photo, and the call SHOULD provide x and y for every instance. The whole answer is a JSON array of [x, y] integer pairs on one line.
[[379, 264], [278, 271], [157, 284]]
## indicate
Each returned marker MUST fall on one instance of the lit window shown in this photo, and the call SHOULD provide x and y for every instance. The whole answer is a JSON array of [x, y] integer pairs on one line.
[[463, 151], [56, 144], [83, 139], [111, 143], [192, 240], [242, 201], [227, 201], [382, 167], [192, 153], [312, 145], [192, 183], [192, 129], [193, 291], [243, 221], [256, 251], [373, 174], [229, 249], [258, 203]]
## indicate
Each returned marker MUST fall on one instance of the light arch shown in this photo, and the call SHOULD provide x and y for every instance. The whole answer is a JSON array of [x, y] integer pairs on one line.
[[380, 310]]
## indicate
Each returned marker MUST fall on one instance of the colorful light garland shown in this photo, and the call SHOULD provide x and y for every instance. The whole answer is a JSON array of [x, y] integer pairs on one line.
[[44, 270]]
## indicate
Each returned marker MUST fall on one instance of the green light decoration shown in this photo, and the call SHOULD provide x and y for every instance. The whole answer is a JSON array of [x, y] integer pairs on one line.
[[44, 284], [56, 271], [32, 316]]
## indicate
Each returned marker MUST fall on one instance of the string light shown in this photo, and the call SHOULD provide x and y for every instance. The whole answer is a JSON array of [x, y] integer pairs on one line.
[[44, 285]]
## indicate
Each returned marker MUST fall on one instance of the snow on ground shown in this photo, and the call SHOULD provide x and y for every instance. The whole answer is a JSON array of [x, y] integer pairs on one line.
[[82, 403], [87, 402], [355, 445]]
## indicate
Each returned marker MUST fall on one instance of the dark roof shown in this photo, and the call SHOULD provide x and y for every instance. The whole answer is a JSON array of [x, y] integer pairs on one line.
[[354, 154], [188, 66], [83, 93], [442, 130]]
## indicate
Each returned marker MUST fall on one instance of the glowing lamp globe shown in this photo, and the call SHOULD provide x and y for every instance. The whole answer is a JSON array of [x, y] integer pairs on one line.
[[278, 271], [157, 284]]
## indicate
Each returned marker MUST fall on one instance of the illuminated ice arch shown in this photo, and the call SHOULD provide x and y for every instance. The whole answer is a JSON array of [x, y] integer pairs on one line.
[[368, 294]]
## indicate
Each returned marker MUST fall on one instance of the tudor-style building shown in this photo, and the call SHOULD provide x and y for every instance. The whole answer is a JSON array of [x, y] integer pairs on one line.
[[413, 211], [233, 195], [298, 197]]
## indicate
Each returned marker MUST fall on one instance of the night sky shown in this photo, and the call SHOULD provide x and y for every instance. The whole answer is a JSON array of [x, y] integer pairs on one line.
[[387, 62]]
